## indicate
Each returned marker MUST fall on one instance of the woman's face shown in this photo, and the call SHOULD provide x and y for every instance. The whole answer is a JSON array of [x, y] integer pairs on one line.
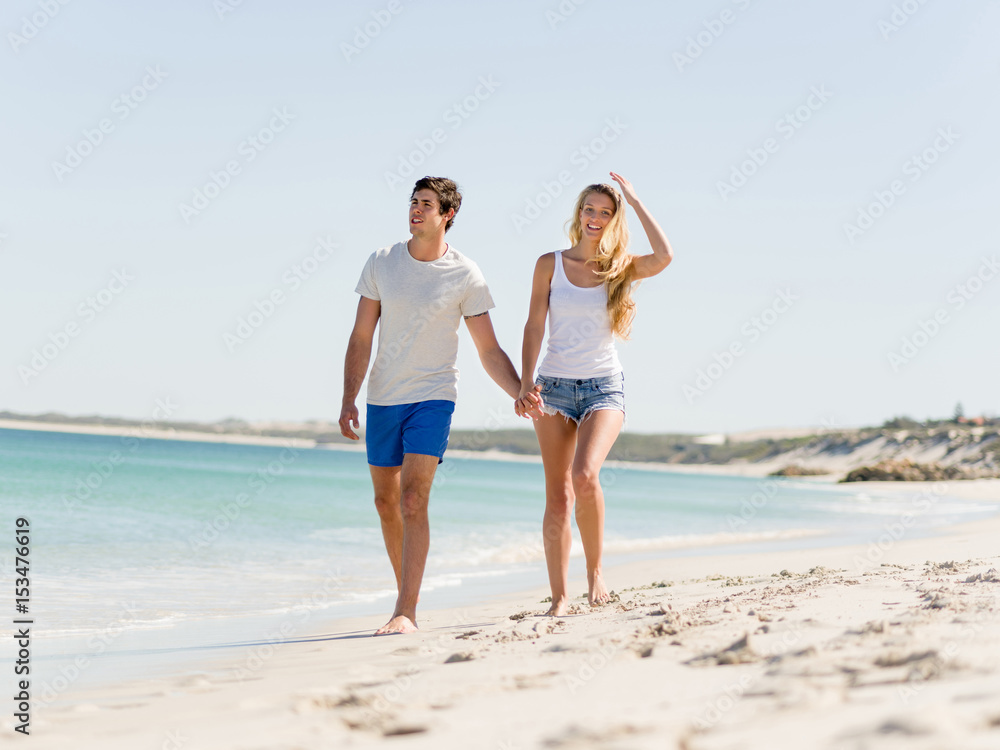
[[597, 211]]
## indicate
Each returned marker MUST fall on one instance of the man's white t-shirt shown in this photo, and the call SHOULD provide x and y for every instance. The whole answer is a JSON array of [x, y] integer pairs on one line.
[[423, 304]]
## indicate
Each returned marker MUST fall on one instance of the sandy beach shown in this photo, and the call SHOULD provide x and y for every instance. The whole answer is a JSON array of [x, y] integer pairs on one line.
[[891, 644]]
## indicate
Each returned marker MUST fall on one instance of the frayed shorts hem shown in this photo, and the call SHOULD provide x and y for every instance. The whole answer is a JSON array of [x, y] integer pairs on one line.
[[576, 399], [559, 412]]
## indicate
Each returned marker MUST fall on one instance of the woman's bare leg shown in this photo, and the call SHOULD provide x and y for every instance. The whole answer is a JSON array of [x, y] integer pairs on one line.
[[557, 441], [597, 434]]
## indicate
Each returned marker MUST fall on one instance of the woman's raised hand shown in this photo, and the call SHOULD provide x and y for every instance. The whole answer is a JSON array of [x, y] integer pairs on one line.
[[627, 190]]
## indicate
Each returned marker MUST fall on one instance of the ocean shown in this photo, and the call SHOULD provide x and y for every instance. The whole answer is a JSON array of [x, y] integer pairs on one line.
[[150, 545]]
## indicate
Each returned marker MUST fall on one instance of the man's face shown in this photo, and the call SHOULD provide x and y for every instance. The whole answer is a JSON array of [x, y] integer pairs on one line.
[[426, 219]]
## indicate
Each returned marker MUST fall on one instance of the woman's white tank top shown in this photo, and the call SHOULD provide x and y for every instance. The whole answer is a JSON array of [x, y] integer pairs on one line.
[[581, 344]]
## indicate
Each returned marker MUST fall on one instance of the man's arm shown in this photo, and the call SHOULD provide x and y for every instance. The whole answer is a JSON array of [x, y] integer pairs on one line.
[[359, 352], [495, 361]]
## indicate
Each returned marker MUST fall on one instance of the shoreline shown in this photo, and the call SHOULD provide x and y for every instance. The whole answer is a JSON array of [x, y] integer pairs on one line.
[[620, 552], [142, 432], [761, 470], [837, 642]]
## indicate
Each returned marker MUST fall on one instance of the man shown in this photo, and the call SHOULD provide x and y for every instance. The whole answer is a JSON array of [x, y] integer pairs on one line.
[[416, 292]]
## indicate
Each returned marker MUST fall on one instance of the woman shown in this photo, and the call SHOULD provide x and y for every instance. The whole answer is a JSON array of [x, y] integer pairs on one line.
[[586, 292]]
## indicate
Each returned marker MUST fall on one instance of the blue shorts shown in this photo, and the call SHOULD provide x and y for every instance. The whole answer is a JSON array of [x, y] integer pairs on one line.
[[576, 398], [421, 427]]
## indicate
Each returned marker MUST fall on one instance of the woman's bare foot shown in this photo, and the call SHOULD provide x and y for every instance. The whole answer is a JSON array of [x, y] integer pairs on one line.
[[558, 608], [598, 593], [398, 624]]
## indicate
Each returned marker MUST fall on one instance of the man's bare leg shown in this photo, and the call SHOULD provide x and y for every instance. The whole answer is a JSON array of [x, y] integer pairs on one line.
[[557, 441], [385, 479], [416, 477], [598, 432]]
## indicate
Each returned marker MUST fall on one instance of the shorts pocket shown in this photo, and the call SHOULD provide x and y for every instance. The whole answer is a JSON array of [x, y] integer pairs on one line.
[[610, 386], [547, 384]]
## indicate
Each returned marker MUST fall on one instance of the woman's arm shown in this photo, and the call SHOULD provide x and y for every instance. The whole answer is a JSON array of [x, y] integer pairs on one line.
[[646, 265], [534, 328]]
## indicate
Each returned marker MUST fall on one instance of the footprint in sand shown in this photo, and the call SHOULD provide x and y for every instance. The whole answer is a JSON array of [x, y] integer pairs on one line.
[[738, 652], [990, 576], [547, 626], [578, 737]]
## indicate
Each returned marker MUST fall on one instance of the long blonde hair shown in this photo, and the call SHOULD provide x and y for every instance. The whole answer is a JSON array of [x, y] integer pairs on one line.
[[613, 258]]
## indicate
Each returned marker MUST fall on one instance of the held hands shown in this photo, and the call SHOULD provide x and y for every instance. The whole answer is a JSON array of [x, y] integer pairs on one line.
[[349, 415], [529, 403], [628, 192]]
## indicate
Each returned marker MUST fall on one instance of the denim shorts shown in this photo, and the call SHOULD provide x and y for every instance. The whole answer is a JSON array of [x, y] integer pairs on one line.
[[392, 431], [576, 398]]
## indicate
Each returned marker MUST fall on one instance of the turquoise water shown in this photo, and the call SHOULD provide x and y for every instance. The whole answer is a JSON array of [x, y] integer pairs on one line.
[[144, 533]]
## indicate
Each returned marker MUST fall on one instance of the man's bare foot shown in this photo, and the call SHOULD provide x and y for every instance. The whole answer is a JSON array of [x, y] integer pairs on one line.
[[558, 608], [598, 593], [398, 624]]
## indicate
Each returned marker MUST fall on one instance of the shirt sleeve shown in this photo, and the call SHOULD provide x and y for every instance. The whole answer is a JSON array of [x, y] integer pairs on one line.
[[367, 287], [477, 298]]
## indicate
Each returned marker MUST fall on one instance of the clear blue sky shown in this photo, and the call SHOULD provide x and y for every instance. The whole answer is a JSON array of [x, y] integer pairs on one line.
[[832, 101]]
